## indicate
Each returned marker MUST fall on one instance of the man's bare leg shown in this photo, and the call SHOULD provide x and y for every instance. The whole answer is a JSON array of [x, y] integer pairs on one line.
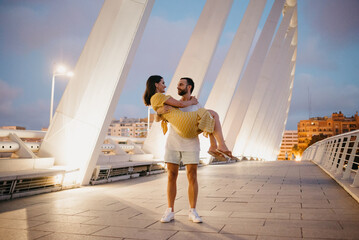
[[172, 171], [193, 192], [192, 184]]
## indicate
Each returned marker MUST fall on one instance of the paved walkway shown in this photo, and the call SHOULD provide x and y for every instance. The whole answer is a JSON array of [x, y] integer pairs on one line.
[[246, 200]]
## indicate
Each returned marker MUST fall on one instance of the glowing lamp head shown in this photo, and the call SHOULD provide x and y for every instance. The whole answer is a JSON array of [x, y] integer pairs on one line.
[[60, 69]]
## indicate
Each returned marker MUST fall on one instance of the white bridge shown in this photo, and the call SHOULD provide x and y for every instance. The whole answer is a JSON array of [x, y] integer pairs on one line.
[[251, 94]]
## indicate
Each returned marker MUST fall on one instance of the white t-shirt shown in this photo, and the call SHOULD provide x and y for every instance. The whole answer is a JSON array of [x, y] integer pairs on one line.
[[177, 143]]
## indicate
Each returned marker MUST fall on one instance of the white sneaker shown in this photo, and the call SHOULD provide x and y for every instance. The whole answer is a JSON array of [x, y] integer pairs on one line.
[[168, 216], [193, 216]]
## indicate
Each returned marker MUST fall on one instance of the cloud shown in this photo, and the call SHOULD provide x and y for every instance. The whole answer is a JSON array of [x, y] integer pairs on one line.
[[159, 52], [314, 55], [326, 96], [8, 95], [55, 35], [33, 115], [337, 21], [34, 35], [26, 26], [131, 110], [328, 36]]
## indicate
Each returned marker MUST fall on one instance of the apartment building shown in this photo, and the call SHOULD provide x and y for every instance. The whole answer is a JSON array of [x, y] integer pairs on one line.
[[327, 126], [130, 127], [290, 138]]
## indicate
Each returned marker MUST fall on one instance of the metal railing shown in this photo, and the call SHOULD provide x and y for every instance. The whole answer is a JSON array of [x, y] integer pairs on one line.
[[339, 156]]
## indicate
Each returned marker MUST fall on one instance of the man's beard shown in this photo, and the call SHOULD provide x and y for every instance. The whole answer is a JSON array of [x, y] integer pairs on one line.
[[182, 92]]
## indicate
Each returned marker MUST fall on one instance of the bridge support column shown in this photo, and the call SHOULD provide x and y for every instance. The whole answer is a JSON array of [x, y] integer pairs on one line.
[[90, 99], [232, 124], [267, 82], [194, 62]]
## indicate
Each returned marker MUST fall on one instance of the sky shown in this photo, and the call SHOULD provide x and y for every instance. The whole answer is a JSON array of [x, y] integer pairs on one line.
[[35, 35]]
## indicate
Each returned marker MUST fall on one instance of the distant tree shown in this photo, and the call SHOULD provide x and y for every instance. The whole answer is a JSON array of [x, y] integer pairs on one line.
[[298, 151], [317, 138], [295, 149]]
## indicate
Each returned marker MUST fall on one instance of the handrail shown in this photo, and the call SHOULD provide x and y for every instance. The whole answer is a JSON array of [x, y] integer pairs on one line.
[[337, 155]]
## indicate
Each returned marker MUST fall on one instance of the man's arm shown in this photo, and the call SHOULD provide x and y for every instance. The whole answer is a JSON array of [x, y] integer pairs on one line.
[[181, 104], [160, 111], [158, 118]]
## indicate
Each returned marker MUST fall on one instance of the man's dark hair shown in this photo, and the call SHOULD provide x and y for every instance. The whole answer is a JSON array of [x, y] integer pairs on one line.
[[189, 82]]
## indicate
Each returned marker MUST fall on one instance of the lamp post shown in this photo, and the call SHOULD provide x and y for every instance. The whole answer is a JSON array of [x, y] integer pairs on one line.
[[148, 119], [59, 71]]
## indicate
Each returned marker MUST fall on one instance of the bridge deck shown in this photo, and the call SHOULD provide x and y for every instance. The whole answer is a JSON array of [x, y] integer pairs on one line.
[[247, 200]]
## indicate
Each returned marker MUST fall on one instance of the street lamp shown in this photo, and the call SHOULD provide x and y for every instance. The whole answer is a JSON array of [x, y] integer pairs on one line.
[[148, 119], [59, 71]]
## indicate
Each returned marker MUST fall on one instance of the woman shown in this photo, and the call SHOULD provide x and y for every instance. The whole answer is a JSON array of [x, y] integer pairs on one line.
[[186, 124]]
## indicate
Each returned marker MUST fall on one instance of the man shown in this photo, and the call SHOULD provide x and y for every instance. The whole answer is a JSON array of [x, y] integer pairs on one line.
[[182, 149]]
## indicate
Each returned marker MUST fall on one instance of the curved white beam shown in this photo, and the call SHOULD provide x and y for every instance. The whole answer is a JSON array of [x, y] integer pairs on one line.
[[194, 62], [268, 76], [90, 99], [244, 93]]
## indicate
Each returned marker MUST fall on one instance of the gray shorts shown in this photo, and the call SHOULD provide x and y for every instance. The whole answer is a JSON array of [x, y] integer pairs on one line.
[[187, 157]]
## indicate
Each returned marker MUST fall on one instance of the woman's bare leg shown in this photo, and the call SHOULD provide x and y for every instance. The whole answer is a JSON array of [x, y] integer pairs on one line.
[[213, 142], [217, 133]]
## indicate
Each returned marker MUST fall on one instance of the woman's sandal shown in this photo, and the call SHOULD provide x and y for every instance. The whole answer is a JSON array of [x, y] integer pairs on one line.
[[217, 155], [228, 154]]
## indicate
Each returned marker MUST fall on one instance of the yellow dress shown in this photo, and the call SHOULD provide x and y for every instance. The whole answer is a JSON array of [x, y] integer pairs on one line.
[[186, 124]]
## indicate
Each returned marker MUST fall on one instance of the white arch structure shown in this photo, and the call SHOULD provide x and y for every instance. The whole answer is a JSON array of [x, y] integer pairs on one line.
[[252, 92]]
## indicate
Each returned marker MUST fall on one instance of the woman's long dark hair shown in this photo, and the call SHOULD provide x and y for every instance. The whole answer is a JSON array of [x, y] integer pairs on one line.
[[151, 88]]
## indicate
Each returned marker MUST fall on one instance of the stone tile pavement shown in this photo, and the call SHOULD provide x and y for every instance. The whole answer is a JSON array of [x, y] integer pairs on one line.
[[246, 200]]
